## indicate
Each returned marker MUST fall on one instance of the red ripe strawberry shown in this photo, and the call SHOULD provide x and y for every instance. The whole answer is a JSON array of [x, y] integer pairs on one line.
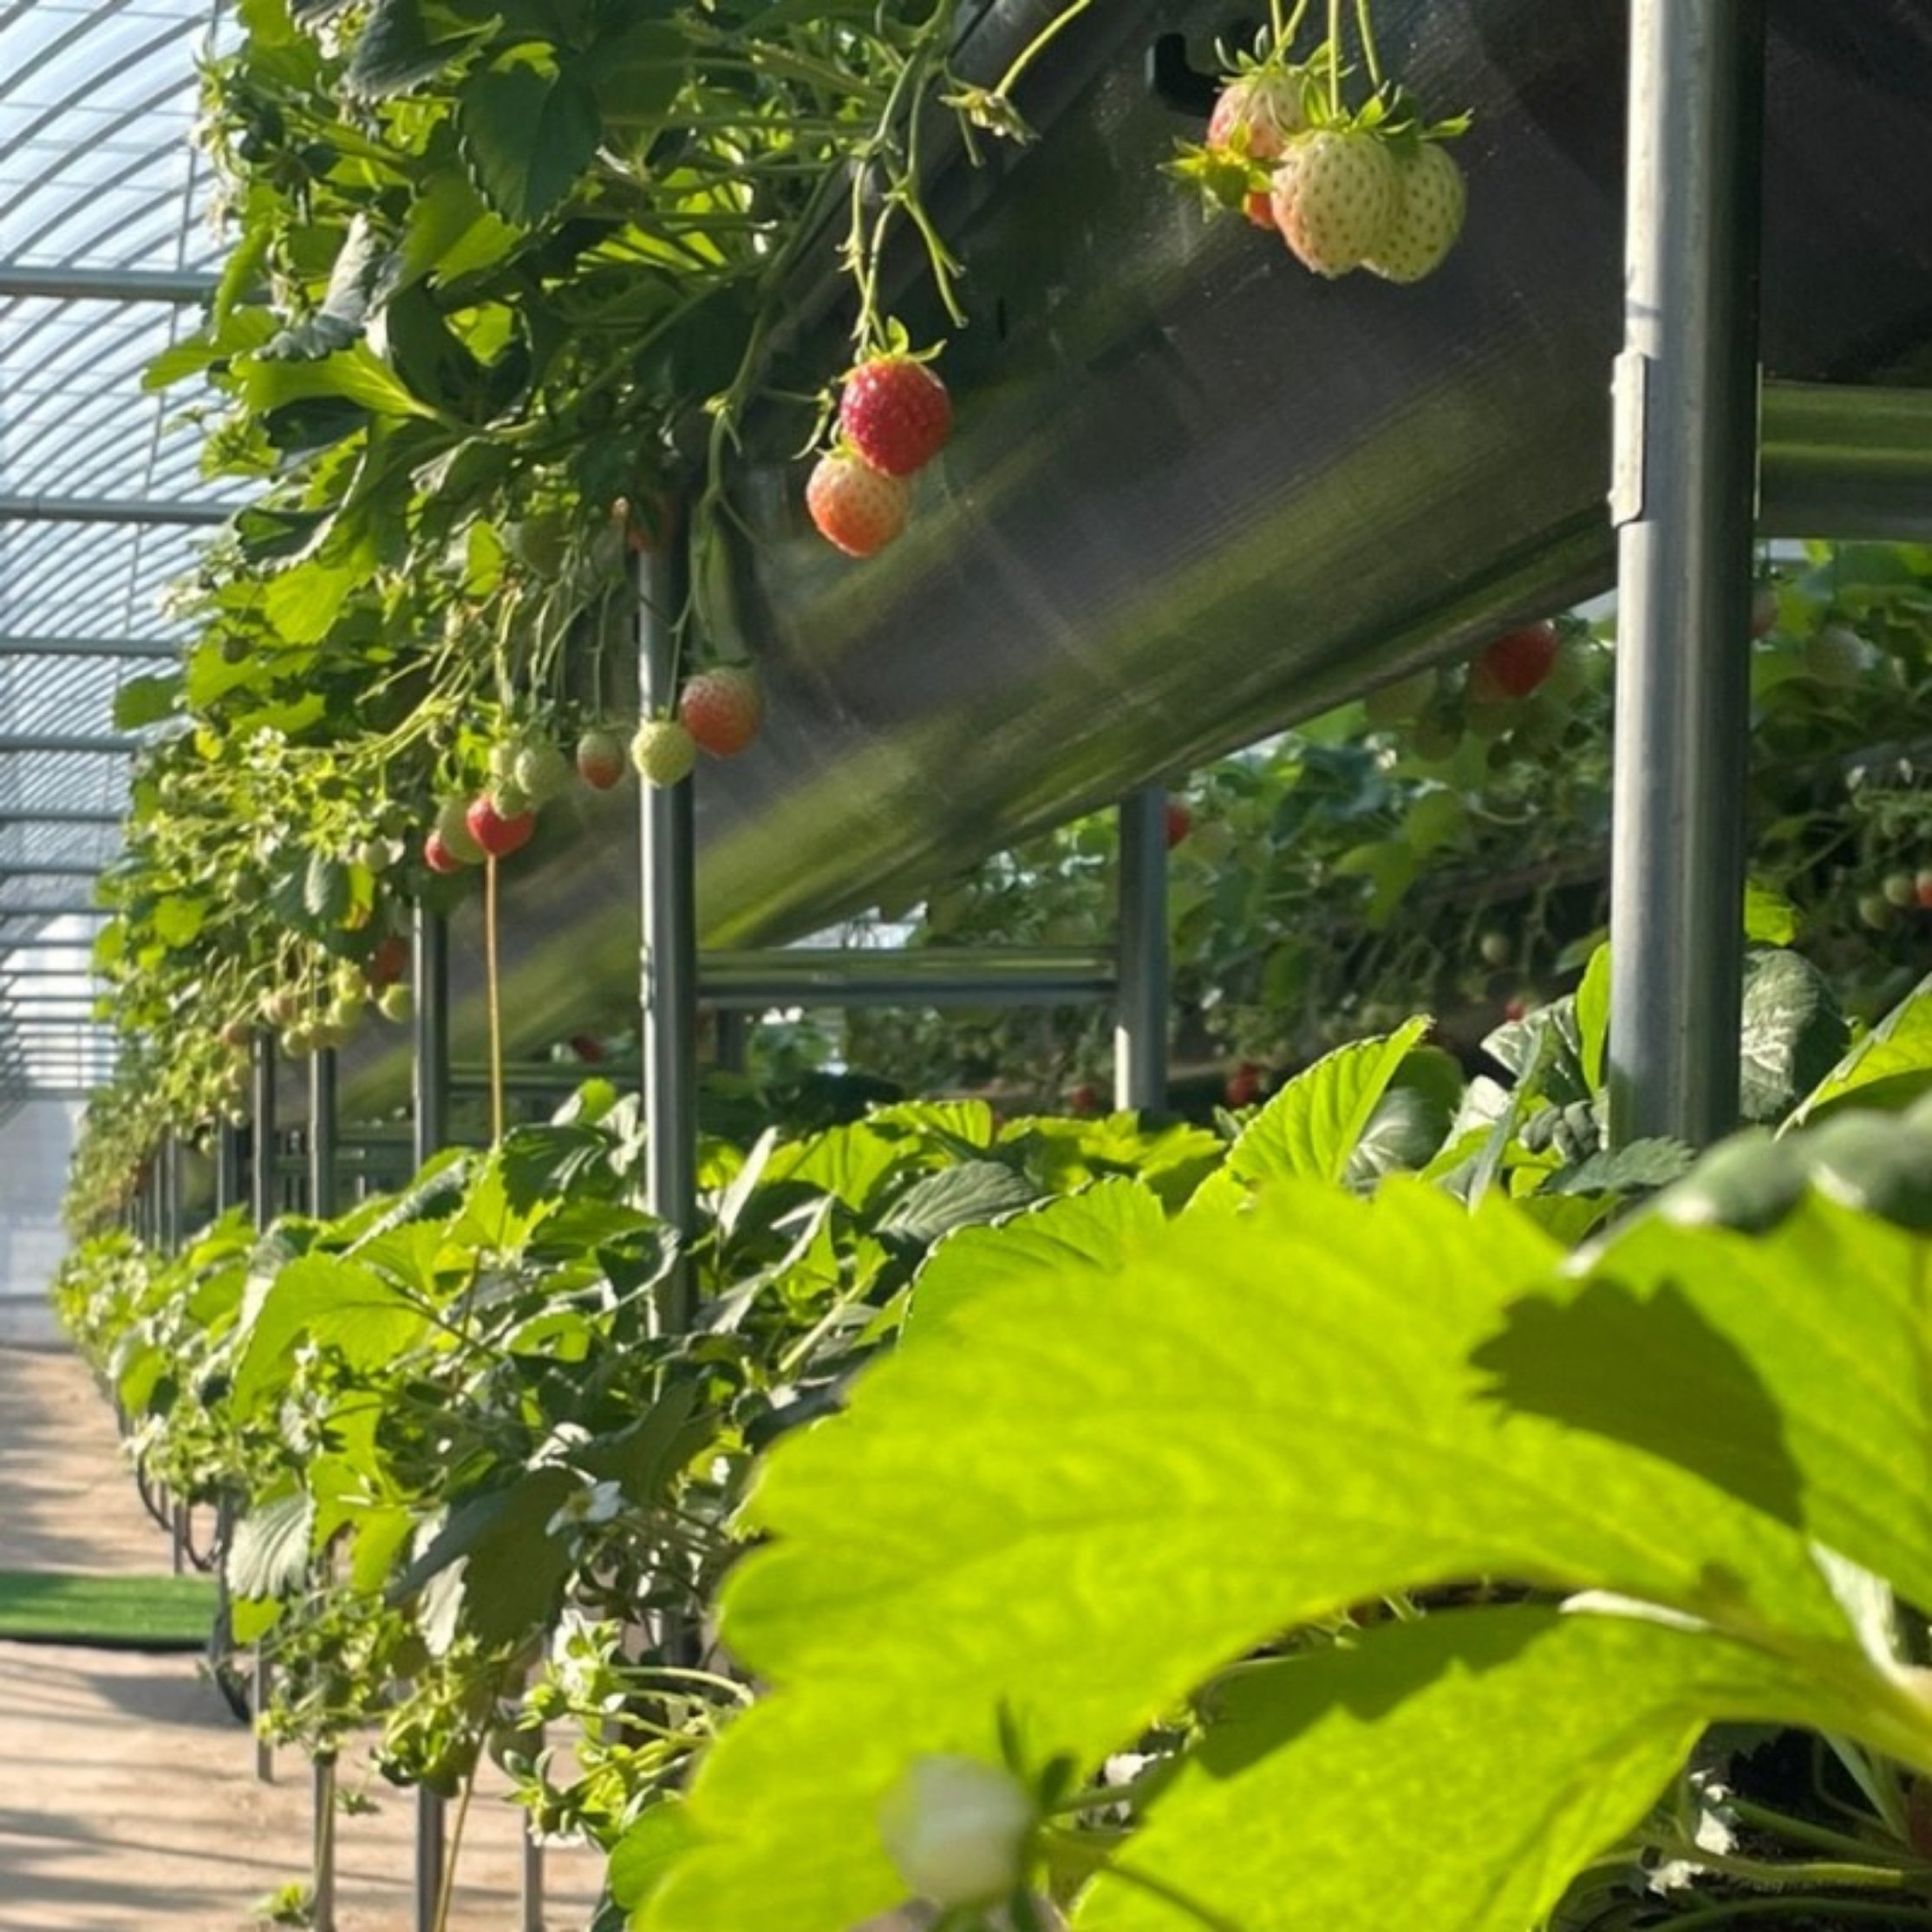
[[499, 834], [858, 508], [1514, 664], [1922, 887], [437, 855], [387, 963], [600, 759], [895, 414], [1428, 217], [1764, 607], [1244, 1086], [722, 708], [1084, 1100], [1179, 822], [1335, 196]]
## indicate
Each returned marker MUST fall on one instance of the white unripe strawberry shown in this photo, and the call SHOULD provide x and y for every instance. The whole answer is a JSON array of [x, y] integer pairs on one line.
[[663, 751], [956, 1830], [1429, 210], [1336, 195]]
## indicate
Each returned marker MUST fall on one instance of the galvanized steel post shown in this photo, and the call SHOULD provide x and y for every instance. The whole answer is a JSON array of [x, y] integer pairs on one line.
[[1140, 1023], [1683, 497]]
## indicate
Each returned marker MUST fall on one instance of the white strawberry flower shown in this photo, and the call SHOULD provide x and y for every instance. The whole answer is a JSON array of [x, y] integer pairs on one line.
[[592, 1503]]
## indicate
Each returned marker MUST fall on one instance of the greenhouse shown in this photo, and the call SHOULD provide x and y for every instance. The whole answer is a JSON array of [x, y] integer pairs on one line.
[[968, 965]]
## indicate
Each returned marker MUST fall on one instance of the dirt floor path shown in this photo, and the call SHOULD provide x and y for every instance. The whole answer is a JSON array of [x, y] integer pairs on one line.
[[128, 1799]]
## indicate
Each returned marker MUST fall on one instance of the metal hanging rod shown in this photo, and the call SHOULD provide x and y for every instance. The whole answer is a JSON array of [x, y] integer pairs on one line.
[[48, 871], [132, 509], [45, 913], [107, 284]]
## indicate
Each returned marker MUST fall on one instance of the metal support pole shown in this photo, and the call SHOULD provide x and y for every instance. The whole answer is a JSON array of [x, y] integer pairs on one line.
[[733, 1037], [430, 1069], [227, 1167], [263, 1201], [321, 1891], [170, 1193], [1683, 499], [1140, 1022], [322, 1204], [321, 1134], [430, 1111], [668, 955]]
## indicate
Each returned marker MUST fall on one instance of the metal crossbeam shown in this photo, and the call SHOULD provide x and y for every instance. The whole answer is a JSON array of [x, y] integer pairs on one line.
[[107, 284], [48, 871], [1011, 975], [131, 509], [57, 815], [87, 646], [64, 744]]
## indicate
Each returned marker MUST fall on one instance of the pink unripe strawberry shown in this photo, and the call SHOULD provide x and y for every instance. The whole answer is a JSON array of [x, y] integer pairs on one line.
[[857, 507], [722, 708], [437, 855], [1256, 114], [1430, 205], [1335, 194], [896, 413], [600, 759]]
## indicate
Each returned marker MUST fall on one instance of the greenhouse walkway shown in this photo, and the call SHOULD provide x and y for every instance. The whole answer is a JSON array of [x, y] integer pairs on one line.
[[128, 1799]]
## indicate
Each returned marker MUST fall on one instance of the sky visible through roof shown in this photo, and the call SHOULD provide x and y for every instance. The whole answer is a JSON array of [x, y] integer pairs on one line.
[[97, 175]]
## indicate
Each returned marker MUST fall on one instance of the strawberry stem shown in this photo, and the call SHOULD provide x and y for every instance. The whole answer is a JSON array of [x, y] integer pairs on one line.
[[1286, 37], [1367, 33], [1334, 58], [1031, 52]]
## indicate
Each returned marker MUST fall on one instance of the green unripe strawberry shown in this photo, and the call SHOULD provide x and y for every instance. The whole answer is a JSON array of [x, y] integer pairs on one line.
[[1396, 703], [453, 827], [541, 771], [396, 1003], [663, 751]]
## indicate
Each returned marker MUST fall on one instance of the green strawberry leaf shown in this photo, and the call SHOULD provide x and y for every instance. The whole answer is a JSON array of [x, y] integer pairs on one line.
[[1794, 1032], [1890, 1067], [1313, 1127], [527, 133], [1099, 1485], [1528, 1739]]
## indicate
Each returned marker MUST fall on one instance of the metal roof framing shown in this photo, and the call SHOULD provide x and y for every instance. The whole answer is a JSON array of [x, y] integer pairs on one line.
[[104, 259]]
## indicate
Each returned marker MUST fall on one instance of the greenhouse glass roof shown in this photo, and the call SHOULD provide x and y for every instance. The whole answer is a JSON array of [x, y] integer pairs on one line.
[[104, 248]]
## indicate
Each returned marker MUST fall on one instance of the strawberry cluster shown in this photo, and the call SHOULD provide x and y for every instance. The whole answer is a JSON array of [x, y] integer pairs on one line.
[[1375, 190], [894, 415]]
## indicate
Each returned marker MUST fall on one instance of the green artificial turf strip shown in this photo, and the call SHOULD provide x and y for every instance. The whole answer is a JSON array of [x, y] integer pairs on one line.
[[128, 1613]]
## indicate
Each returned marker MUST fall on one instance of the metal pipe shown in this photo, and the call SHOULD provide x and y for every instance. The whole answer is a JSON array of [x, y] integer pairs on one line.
[[48, 872], [1837, 459], [733, 1035], [322, 1890], [1012, 975], [429, 954], [132, 510], [321, 1134], [1141, 1020], [668, 953], [171, 1192], [1684, 475], [106, 284]]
